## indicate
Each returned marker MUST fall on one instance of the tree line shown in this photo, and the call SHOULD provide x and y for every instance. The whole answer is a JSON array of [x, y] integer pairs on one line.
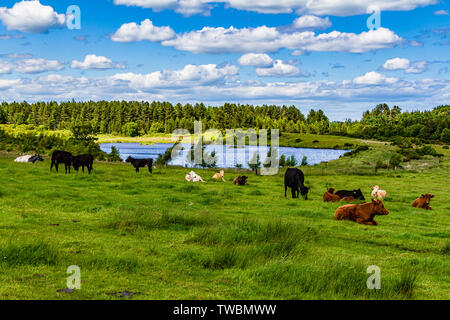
[[134, 118]]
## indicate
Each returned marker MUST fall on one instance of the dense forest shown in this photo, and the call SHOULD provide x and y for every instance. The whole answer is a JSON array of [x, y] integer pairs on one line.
[[139, 118]]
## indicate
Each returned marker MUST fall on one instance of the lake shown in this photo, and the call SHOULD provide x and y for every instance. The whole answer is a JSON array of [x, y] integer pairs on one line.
[[227, 156]]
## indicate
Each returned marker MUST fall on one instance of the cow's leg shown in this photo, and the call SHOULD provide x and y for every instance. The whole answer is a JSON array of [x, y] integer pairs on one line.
[[56, 166], [298, 193], [51, 166], [150, 168], [285, 191], [363, 221], [293, 193], [137, 169], [82, 168]]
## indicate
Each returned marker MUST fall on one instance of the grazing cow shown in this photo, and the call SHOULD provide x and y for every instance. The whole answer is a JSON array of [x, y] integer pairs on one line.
[[357, 194], [193, 177], [220, 175], [378, 194], [61, 157], [295, 179], [141, 163], [29, 159], [329, 196], [84, 160], [423, 202], [361, 213], [241, 181]]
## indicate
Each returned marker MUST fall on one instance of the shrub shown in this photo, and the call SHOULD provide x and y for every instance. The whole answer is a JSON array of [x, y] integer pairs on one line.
[[131, 129], [427, 150]]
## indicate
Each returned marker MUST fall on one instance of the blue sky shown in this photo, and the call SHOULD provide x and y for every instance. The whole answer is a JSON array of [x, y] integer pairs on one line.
[[317, 54]]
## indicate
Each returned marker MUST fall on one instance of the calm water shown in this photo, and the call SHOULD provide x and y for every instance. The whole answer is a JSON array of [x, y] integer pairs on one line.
[[227, 156]]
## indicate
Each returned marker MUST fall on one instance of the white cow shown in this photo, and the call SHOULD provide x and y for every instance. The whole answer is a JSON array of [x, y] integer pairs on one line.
[[23, 159], [193, 177], [377, 193]]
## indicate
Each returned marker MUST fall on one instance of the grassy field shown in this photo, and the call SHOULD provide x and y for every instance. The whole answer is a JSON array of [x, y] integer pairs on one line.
[[163, 238]]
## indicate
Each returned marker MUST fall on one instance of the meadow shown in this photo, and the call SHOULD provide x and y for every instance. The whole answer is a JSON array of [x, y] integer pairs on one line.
[[160, 237]]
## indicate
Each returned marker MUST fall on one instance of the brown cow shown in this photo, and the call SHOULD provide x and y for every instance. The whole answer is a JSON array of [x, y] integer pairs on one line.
[[329, 196], [423, 202], [361, 213]]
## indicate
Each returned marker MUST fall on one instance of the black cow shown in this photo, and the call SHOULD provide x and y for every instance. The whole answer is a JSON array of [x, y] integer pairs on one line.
[[295, 179], [61, 157], [357, 194], [83, 160], [241, 181], [140, 163], [35, 158]]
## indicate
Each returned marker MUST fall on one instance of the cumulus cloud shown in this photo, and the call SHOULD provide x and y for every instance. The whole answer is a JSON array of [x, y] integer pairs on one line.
[[185, 7], [374, 78], [37, 65], [31, 16], [267, 39], [316, 7], [256, 60], [130, 32], [5, 67], [311, 22], [190, 75], [418, 67], [396, 64], [94, 62], [279, 69]]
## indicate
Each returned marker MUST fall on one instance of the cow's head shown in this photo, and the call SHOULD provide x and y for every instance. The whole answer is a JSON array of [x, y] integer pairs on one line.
[[37, 157], [378, 208], [304, 192], [129, 159], [331, 190], [427, 197], [357, 194]]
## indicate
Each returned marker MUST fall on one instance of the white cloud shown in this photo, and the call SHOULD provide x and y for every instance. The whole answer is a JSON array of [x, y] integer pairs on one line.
[[5, 83], [279, 69], [5, 67], [130, 32], [37, 65], [185, 7], [256, 60], [418, 67], [396, 64], [374, 78], [441, 13], [316, 7], [190, 75], [92, 61], [266, 39], [311, 22], [31, 16]]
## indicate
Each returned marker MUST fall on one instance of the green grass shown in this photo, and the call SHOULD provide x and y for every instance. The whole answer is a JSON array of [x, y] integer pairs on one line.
[[164, 238]]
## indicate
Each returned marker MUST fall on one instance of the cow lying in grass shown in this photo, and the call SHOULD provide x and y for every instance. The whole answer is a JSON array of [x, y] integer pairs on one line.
[[378, 194], [29, 159], [357, 194], [423, 202], [140, 163], [241, 181], [329, 196], [361, 213], [193, 177], [220, 175]]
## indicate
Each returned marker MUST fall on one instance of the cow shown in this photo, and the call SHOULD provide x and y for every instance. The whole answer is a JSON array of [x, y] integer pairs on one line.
[[357, 194], [83, 160], [329, 196], [29, 159], [58, 157], [423, 202], [141, 163], [193, 177], [378, 194], [241, 181], [361, 213], [220, 175], [295, 179]]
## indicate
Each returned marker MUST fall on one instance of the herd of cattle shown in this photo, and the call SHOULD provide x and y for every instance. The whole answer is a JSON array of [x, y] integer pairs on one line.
[[294, 179]]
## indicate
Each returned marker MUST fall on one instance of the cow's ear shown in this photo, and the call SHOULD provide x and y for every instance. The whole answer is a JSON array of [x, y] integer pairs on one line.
[[373, 200], [432, 196], [422, 196]]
